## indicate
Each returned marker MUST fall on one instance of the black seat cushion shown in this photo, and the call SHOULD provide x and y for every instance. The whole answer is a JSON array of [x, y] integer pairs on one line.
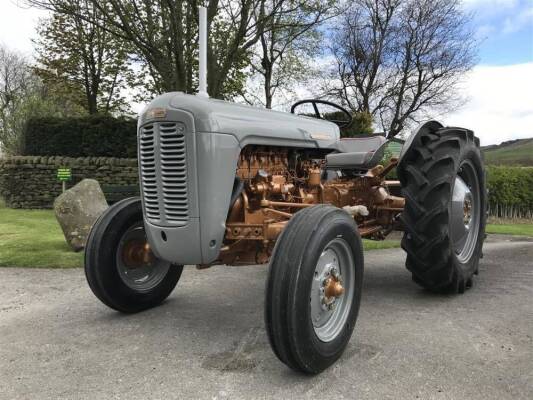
[[357, 153]]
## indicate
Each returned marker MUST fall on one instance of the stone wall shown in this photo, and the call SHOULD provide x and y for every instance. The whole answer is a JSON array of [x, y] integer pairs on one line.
[[31, 181]]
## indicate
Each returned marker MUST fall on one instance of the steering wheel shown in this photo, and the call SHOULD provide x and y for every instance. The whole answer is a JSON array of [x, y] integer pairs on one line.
[[341, 123]]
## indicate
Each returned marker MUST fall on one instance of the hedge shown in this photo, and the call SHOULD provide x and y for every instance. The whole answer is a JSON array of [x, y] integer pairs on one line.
[[93, 136], [510, 191]]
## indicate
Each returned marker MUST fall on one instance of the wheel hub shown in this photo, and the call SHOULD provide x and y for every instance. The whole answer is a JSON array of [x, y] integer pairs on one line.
[[137, 253], [332, 290], [465, 212], [137, 265]]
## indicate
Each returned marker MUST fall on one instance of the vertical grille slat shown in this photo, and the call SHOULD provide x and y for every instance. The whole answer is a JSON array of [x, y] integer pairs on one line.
[[148, 177], [163, 160]]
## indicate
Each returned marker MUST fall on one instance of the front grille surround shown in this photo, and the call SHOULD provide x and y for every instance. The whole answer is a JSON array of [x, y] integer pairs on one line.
[[164, 173]]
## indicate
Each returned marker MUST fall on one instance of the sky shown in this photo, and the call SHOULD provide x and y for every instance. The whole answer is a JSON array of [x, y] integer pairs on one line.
[[499, 89]]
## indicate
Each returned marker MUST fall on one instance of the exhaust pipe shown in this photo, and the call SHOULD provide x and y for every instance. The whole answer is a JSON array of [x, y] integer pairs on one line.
[[202, 64]]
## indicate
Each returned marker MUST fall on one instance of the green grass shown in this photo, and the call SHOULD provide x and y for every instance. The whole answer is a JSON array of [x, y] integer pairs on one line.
[[519, 153], [380, 244], [511, 229], [33, 238]]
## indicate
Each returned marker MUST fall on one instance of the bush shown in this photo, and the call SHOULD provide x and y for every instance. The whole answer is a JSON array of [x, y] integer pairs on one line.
[[362, 124], [510, 191], [93, 136]]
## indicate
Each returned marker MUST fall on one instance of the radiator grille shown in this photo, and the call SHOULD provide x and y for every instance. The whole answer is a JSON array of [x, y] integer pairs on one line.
[[148, 172], [163, 158], [174, 173]]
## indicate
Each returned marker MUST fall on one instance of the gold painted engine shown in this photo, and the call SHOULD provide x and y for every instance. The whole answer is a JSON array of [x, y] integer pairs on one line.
[[272, 183]]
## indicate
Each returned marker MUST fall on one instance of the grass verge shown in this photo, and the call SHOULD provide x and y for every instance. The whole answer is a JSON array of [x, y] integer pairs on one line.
[[33, 238], [511, 229], [380, 244]]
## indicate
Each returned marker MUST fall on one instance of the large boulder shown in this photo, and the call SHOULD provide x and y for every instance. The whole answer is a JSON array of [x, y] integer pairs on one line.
[[77, 209]]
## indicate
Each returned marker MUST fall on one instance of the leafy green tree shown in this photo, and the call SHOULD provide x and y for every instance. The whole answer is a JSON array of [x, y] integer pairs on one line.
[[362, 124], [163, 36], [78, 54], [22, 96], [287, 44]]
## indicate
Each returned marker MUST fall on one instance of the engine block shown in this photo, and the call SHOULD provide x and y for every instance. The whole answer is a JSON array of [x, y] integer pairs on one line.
[[275, 183]]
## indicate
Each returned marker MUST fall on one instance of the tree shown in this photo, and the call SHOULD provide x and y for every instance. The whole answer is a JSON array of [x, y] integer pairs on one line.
[[16, 83], [287, 43], [22, 96], [401, 59], [83, 55], [163, 34]]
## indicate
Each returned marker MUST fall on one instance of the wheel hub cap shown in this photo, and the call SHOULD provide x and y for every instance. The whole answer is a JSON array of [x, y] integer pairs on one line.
[[137, 253], [137, 265], [465, 212], [332, 290]]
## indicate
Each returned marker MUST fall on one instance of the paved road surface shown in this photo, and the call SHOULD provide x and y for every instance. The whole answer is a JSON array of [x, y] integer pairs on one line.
[[207, 341]]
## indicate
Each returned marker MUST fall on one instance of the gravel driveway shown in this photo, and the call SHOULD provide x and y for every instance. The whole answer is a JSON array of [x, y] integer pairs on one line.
[[208, 341]]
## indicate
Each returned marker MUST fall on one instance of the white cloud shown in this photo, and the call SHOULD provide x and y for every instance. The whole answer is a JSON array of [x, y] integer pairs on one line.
[[17, 25], [519, 21], [500, 103], [489, 4]]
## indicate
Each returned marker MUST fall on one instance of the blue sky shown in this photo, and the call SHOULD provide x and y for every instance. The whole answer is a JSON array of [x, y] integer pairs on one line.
[[505, 30], [499, 89]]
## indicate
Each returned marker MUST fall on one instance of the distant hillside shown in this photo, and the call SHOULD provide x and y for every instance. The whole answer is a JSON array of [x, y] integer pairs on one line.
[[513, 152]]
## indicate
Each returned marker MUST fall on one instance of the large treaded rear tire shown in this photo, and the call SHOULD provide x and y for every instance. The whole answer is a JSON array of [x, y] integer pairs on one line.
[[427, 172], [289, 288]]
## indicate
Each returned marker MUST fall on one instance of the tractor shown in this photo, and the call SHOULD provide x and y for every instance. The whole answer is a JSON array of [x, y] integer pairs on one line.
[[223, 183]]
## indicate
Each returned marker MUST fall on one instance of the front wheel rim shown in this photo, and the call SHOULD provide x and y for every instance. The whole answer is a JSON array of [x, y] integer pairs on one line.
[[465, 212], [138, 268], [332, 290]]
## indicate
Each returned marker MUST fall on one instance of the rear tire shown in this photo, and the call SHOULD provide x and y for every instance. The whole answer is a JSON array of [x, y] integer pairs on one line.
[[307, 330], [443, 182], [116, 282]]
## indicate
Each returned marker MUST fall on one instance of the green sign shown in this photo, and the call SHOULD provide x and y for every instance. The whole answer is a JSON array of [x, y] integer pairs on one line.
[[64, 174]]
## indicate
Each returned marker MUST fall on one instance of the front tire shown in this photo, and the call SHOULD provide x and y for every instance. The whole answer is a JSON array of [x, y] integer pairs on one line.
[[120, 268], [443, 182], [314, 288]]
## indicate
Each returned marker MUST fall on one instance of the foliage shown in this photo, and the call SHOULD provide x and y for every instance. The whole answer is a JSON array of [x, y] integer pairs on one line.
[[362, 124], [163, 37], [22, 96], [86, 58], [398, 59], [98, 136], [33, 238], [510, 191], [287, 44], [18, 87]]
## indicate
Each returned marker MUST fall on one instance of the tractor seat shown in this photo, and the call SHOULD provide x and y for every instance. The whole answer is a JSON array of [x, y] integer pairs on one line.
[[360, 153]]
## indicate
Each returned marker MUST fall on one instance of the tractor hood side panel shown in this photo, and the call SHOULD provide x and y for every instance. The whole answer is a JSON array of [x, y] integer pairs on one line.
[[188, 154]]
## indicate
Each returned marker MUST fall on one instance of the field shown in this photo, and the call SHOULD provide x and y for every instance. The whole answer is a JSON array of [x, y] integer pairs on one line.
[[33, 238], [516, 152]]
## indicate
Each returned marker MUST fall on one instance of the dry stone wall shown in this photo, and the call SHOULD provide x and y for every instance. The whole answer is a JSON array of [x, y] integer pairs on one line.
[[31, 181]]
